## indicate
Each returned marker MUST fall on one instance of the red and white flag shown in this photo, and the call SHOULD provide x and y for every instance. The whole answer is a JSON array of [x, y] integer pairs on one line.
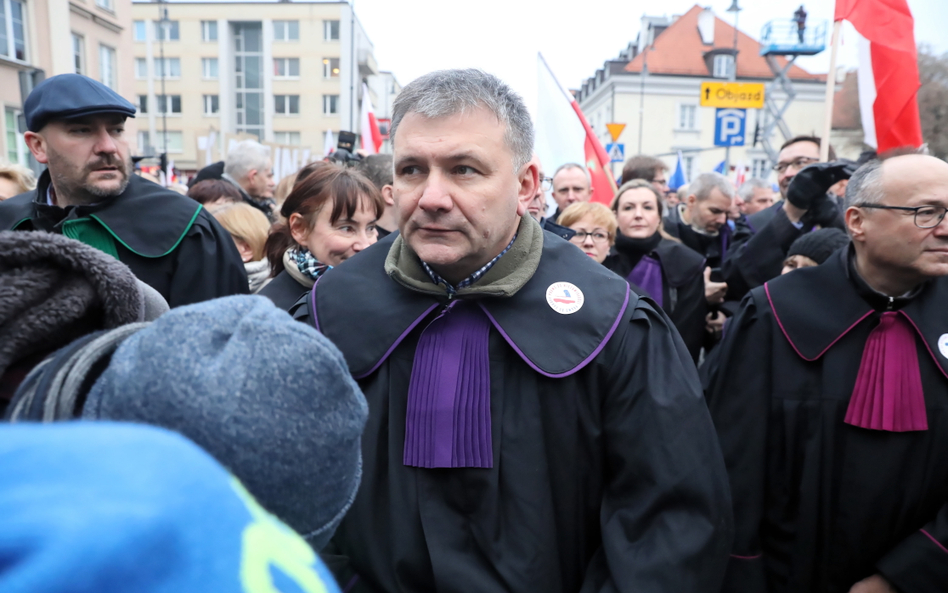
[[888, 71], [564, 136], [370, 135]]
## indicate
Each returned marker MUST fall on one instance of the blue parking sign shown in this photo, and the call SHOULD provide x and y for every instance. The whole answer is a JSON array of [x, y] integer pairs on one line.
[[729, 126]]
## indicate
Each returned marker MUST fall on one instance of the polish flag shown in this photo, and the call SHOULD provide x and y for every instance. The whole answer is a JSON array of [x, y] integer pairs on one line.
[[370, 135], [564, 136], [740, 175], [888, 71]]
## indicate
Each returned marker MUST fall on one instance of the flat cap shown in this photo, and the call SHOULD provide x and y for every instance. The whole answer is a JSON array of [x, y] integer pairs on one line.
[[68, 96]]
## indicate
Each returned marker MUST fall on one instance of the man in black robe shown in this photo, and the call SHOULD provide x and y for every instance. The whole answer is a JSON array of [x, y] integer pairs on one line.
[[76, 128], [533, 425], [831, 403]]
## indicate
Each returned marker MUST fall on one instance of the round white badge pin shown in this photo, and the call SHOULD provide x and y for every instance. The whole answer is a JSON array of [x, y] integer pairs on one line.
[[564, 298], [943, 345]]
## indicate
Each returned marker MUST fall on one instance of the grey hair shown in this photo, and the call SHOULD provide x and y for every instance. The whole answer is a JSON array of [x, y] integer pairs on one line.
[[245, 157], [865, 186], [450, 92], [705, 183], [747, 190], [569, 166]]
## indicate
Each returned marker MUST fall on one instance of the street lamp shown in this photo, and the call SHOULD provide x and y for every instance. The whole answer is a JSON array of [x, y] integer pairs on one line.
[[735, 9], [165, 25]]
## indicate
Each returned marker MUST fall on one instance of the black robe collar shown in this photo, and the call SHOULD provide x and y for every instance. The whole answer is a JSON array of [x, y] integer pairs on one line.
[[146, 218], [679, 262], [816, 307], [360, 294]]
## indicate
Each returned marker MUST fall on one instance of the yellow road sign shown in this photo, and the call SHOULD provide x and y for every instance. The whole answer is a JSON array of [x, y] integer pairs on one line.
[[737, 95], [615, 130]]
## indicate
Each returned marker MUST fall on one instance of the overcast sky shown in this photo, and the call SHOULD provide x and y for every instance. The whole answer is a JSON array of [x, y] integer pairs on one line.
[[412, 37]]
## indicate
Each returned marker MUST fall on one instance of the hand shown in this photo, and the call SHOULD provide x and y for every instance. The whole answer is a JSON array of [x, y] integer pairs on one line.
[[714, 323], [713, 291], [873, 584], [814, 181], [825, 213]]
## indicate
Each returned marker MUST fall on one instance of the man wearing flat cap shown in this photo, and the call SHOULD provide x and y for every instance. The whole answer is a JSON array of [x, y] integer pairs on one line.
[[88, 193]]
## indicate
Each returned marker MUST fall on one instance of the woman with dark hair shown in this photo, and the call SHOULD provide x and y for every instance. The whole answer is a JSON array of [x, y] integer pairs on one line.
[[329, 216], [214, 192], [646, 256]]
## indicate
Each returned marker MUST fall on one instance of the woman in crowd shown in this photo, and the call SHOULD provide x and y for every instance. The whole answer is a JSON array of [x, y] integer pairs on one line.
[[669, 272], [329, 217], [249, 228], [15, 180], [214, 192], [595, 227]]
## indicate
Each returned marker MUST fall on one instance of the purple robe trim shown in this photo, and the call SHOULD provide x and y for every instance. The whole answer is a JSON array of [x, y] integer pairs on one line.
[[448, 417], [647, 275], [888, 394]]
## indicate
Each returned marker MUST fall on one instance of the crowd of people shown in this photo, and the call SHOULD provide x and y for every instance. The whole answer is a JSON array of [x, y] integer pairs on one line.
[[411, 372]]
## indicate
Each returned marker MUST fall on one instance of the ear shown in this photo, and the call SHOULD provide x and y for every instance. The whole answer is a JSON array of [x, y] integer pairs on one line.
[[388, 196], [856, 223], [251, 176], [692, 200], [528, 179], [299, 228], [246, 253], [37, 145]]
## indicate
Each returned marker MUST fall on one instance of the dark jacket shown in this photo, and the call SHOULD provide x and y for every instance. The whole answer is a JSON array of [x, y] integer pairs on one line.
[[284, 290], [682, 286], [169, 241], [713, 248], [559, 230], [758, 250], [578, 495]]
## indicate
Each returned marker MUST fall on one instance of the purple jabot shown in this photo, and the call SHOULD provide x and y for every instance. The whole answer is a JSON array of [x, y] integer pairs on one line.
[[647, 275], [888, 394], [448, 417]]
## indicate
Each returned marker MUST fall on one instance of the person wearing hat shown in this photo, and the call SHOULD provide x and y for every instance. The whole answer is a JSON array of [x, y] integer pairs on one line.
[[76, 128], [812, 249]]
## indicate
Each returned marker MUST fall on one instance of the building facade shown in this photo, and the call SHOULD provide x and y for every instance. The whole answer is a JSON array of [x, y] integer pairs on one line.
[[283, 72], [43, 38], [654, 85]]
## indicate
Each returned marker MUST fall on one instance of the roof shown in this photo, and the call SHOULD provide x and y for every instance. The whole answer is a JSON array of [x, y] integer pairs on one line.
[[678, 50]]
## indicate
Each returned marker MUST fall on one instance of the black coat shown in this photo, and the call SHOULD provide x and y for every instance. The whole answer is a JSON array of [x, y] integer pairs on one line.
[[284, 290], [821, 504], [683, 296], [169, 241], [606, 473]]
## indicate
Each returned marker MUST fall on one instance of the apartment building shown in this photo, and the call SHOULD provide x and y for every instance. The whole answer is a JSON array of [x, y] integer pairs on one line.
[[284, 72], [42, 38]]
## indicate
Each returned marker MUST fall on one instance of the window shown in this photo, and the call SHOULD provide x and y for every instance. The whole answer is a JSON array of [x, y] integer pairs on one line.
[[175, 141], [331, 30], [286, 67], [107, 65], [141, 68], [687, 117], [290, 138], [723, 65], [208, 30], [760, 168], [212, 105], [209, 67], [688, 164], [142, 103], [144, 144], [78, 54], [16, 147], [12, 30], [106, 4], [170, 104], [166, 31], [330, 104], [169, 68], [330, 67], [287, 104], [138, 31], [286, 30]]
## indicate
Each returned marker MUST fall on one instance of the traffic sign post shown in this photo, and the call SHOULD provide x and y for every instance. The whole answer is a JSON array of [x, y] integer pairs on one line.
[[736, 95], [616, 152], [729, 127], [615, 130]]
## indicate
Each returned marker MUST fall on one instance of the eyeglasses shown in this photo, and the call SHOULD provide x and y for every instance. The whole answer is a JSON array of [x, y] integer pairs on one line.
[[926, 217], [597, 237], [546, 183], [799, 163]]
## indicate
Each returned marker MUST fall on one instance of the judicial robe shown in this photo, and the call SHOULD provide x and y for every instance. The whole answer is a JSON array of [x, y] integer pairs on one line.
[[169, 241], [680, 285], [606, 474], [821, 504]]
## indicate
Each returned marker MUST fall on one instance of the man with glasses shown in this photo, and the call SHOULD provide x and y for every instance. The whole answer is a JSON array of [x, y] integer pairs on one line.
[[649, 168], [830, 402], [537, 207], [760, 247]]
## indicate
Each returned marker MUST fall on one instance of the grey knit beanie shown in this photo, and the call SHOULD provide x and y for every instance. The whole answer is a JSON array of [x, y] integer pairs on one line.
[[818, 245], [270, 398]]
